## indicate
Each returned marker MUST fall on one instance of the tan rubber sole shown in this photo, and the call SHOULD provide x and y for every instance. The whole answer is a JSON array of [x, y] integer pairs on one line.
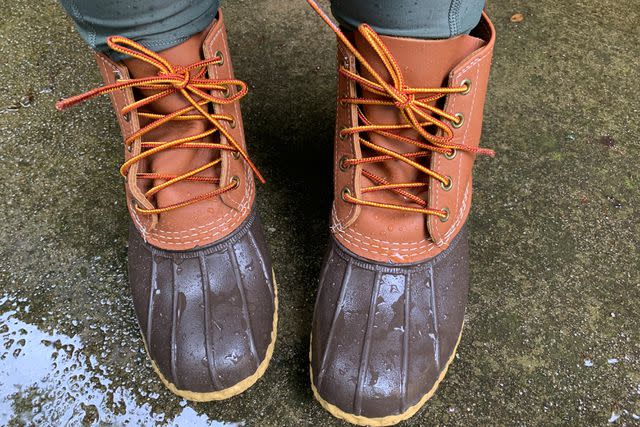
[[388, 420], [237, 388]]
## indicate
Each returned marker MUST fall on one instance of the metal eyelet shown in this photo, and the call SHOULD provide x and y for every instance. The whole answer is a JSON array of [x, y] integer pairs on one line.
[[235, 155], [130, 148], [219, 54], [226, 92], [232, 124], [341, 134], [235, 180], [446, 218], [460, 121], [118, 76], [345, 192], [341, 164], [448, 186], [467, 83], [451, 156], [342, 101]]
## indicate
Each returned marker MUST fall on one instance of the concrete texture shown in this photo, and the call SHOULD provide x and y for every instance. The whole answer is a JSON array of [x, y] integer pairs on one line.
[[553, 331]]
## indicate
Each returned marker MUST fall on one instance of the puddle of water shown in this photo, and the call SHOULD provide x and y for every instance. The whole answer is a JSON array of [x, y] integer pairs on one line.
[[48, 379]]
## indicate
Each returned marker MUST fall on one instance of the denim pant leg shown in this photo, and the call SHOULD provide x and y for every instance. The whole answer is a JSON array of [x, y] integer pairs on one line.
[[155, 24], [161, 24], [429, 19]]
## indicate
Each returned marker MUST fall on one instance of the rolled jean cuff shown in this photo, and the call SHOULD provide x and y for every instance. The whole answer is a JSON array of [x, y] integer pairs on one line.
[[426, 19], [162, 26]]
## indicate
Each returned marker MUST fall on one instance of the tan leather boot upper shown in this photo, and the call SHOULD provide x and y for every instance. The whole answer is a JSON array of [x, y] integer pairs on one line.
[[389, 235], [207, 221]]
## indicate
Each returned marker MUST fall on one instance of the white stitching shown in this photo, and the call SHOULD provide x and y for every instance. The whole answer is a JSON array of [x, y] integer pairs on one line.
[[352, 230], [388, 251], [349, 235], [342, 51], [160, 235]]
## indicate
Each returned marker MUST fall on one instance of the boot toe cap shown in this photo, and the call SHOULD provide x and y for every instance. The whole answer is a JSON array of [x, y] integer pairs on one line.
[[208, 316], [384, 334]]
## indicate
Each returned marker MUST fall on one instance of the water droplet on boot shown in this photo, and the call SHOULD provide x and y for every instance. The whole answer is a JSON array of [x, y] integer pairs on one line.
[[182, 304]]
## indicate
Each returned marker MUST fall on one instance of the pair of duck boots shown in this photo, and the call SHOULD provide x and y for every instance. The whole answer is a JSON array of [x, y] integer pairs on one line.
[[393, 288]]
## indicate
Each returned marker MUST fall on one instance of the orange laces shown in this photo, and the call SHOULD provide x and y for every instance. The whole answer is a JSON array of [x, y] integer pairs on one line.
[[418, 112], [189, 81]]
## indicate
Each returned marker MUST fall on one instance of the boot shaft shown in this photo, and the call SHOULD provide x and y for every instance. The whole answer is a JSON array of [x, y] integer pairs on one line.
[[209, 220], [388, 235]]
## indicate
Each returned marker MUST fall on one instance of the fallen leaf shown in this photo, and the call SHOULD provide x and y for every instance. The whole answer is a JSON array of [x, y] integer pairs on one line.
[[518, 17]]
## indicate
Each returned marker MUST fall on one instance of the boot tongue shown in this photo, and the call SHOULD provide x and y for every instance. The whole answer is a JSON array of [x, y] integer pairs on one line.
[[424, 64], [178, 161]]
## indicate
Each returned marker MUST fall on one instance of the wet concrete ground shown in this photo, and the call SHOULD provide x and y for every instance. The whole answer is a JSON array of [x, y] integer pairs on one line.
[[553, 326]]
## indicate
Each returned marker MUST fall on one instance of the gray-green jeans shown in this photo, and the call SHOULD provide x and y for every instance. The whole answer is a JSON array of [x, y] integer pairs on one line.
[[161, 24]]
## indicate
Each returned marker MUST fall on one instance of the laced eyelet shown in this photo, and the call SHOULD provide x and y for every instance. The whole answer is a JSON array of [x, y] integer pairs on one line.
[[118, 76], [166, 79], [446, 217], [460, 121], [221, 56], [448, 186], [226, 92], [341, 133], [466, 83], [345, 192], [452, 155], [343, 167], [235, 155]]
